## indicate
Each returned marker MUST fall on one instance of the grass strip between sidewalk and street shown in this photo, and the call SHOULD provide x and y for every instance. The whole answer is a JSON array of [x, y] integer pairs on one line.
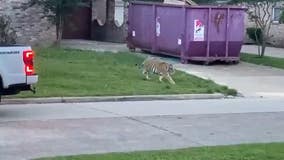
[[265, 61], [66, 72], [272, 151]]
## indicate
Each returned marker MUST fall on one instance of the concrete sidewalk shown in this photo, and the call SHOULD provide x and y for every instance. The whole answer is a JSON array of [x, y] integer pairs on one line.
[[60, 111], [94, 46], [121, 47], [270, 51], [250, 80]]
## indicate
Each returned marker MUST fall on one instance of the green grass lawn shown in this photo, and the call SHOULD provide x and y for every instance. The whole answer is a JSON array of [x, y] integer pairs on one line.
[[85, 73], [273, 151], [266, 61]]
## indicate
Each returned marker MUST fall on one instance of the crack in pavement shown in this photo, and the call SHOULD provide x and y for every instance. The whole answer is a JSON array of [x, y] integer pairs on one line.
[[142, 122], [155, 126], [160, 128]]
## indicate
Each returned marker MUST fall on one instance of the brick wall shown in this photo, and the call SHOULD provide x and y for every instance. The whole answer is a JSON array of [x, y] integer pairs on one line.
[[277, 31], [30, 26]]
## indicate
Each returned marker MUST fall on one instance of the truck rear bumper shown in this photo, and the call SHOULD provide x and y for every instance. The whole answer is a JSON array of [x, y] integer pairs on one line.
[[32, 79], [15, 89]]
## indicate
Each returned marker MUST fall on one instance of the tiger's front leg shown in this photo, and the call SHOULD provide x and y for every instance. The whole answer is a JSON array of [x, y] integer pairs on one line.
[[146, 74], [161, 78], [169, 78]]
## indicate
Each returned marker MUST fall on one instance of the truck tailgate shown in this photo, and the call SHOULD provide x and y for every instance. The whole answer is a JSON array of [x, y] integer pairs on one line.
[[12, 65]]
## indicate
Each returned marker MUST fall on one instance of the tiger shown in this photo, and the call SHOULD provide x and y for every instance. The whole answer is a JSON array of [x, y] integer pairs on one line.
[[159, 67]]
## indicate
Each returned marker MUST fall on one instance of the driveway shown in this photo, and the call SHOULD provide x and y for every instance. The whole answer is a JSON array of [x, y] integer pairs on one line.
[[270, 51], [94, 45], [249, 79]]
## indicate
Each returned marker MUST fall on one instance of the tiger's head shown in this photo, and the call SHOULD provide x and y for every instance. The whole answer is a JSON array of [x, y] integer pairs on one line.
[[171, 69]]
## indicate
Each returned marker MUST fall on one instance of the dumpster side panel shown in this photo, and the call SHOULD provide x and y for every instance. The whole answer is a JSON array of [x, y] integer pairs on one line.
[[203, 33], [236, 32], [217, 33], [196, 45], [169, 29], [141, 25]]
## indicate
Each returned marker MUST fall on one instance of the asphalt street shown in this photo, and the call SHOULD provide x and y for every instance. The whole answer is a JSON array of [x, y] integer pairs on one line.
[[40, 130]]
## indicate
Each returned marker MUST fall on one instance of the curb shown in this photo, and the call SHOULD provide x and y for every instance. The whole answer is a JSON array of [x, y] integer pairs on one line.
[[111, 98]]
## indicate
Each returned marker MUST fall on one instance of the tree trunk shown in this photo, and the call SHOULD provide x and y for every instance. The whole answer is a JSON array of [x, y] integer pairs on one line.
[[263, 42], [263, 47], [59, 31], [257, 42]]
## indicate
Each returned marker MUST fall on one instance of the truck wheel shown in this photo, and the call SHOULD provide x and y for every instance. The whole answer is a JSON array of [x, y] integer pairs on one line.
[[1, 89]]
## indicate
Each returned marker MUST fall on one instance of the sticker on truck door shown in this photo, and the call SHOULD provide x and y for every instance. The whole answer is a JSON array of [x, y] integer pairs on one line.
[[198, 30]]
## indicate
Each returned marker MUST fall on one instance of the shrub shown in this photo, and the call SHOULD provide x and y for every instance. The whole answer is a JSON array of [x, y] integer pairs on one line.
[[281, 20], [255, 34]]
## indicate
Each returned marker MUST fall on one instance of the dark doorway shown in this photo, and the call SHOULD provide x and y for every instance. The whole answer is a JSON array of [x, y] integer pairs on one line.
[[78, 24]]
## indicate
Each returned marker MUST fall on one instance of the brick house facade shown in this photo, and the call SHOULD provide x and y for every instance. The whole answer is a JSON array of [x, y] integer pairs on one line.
[[85, 23], [30, 26], [277, 29]]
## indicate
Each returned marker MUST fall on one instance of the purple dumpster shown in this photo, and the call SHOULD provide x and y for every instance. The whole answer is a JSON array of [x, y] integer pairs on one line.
[[197, 33]]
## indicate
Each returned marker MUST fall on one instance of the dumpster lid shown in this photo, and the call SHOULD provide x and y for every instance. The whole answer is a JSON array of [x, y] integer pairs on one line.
[[239, 7], [180, 2]]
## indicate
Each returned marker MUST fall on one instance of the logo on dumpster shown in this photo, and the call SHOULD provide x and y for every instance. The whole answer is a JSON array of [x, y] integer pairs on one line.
[[198, 30]]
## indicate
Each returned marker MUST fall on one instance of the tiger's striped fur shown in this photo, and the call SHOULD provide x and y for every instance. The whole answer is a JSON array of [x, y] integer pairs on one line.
[[159, 67]]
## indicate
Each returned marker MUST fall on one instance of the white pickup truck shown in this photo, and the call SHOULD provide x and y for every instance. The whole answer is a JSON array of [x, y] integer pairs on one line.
[[16, 69]]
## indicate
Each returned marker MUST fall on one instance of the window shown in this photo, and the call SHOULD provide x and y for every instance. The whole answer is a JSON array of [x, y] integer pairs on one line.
[[276, 14]]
